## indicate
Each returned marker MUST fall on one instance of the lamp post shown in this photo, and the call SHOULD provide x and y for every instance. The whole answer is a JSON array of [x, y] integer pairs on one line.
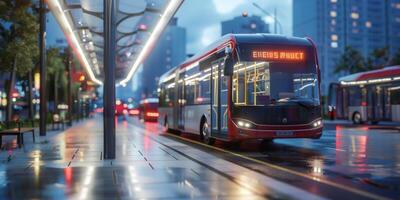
[[42, 49], [276, 21], [110, 10]]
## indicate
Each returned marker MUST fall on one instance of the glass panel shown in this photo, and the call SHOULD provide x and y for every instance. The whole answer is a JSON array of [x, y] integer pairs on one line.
[[224, 100], [265, 83]]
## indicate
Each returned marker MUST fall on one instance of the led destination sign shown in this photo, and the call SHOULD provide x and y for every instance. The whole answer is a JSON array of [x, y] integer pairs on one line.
[[278, 55]]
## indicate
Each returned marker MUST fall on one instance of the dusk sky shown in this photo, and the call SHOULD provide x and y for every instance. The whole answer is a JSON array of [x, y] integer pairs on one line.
[[202, 19]]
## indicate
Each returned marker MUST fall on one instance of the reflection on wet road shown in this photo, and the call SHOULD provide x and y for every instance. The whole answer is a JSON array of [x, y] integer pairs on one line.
[[356, 157], [359, 154], [69, 165], [355, 163]]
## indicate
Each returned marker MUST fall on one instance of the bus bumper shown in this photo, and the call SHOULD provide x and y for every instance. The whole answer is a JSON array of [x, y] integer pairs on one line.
[[242, 134]]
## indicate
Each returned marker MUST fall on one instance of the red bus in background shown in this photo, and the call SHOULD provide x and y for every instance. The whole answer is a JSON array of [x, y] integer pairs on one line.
[[245, 86], [367, 96], [148, 109]]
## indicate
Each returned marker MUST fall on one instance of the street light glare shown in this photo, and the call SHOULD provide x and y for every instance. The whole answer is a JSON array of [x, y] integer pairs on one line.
[[164, 19], [56, 8]]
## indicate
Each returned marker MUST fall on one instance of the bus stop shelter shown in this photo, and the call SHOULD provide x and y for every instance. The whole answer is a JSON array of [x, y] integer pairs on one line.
[[110, 38]]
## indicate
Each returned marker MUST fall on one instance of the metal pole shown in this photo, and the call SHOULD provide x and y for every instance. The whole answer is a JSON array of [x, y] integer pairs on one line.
[[69, 85], [109, 78], [42, 49], [275, 22]]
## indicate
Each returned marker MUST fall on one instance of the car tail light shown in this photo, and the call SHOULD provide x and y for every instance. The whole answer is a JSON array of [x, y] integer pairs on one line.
[[152, 114], [134, 112]]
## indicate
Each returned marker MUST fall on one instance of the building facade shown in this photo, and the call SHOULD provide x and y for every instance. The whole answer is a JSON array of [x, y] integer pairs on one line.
[[335, 24], [241, 24]]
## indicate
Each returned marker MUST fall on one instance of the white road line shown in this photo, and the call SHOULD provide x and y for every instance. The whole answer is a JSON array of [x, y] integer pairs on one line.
[[334, 149]]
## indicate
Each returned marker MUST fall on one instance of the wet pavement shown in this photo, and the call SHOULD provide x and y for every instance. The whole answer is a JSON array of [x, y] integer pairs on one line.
[[353, 157], [69, 165], [360, 155]]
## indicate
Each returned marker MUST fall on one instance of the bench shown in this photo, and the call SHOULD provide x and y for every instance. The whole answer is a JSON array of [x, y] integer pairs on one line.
[[57, 120], [17, 131]]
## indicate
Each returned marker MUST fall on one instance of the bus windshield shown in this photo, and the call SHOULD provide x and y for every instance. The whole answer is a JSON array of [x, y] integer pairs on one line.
[[260, 83]]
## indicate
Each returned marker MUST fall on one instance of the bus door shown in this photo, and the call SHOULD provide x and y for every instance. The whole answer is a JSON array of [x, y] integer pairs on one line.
[[387, 110], [375, 100], [341, 101], [181, 101], [219, 100], [379, 103], [371, 103], [334, 106]]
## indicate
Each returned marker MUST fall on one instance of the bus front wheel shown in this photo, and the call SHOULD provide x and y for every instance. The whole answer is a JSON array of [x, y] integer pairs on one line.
[[357, 118], [205, 134]]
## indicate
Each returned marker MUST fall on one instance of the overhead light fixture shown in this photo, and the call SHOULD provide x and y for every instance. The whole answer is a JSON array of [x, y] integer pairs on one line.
[[57, 9], [170, 10]]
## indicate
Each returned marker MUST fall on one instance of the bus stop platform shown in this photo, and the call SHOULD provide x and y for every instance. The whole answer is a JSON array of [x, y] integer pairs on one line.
[[69, 165]]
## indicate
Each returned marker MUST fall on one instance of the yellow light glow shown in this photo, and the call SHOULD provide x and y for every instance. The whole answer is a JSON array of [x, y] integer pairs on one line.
[[333, 13], [355, 15], [36, 80]]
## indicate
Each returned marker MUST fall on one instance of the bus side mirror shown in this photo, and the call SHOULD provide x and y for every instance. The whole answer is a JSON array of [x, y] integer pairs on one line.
[[228, 65]]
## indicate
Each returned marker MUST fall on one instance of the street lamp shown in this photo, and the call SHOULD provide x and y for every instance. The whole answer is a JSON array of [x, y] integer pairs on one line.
[[276, 21]]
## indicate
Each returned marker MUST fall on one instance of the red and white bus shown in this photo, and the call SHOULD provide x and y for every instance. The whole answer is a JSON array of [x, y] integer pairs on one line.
[[367, 96], [245, 86]]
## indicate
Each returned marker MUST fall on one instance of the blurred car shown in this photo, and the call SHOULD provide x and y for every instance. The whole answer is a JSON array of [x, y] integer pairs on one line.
[[148, 109], [121, 109]]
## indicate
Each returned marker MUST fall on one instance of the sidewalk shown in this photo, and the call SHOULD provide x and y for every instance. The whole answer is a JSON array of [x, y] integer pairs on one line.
[[147, 166]]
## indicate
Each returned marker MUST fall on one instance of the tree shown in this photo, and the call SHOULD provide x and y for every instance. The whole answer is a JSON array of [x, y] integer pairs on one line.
[[396, 58], [18, 50], [378, 59], [56, 74], [351, 62]]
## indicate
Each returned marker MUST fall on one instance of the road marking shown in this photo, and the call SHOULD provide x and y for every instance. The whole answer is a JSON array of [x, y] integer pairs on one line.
[[279, 186], [336, 149], [318, 179]]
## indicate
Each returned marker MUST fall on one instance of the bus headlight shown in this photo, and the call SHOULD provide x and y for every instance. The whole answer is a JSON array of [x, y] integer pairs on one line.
[[244, 124], [317, 123]]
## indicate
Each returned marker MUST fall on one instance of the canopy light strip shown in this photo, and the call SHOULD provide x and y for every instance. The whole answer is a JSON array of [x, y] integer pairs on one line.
[[62, 19], [169, 12]]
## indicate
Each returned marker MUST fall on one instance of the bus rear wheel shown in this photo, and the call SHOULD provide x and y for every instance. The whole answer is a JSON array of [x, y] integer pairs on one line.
[[205, 134], [357, 118]]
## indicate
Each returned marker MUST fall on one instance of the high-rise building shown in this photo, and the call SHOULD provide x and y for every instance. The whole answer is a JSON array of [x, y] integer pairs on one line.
[[334, 24], [244, 24], [169, 52]]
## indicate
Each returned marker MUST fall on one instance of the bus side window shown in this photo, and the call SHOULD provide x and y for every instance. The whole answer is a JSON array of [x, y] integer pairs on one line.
[[161, 103], [203, 87], [394, 96], [355, 96]]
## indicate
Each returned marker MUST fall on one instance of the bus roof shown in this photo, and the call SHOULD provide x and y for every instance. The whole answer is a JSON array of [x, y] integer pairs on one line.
[[237, 39], [391, 71]]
